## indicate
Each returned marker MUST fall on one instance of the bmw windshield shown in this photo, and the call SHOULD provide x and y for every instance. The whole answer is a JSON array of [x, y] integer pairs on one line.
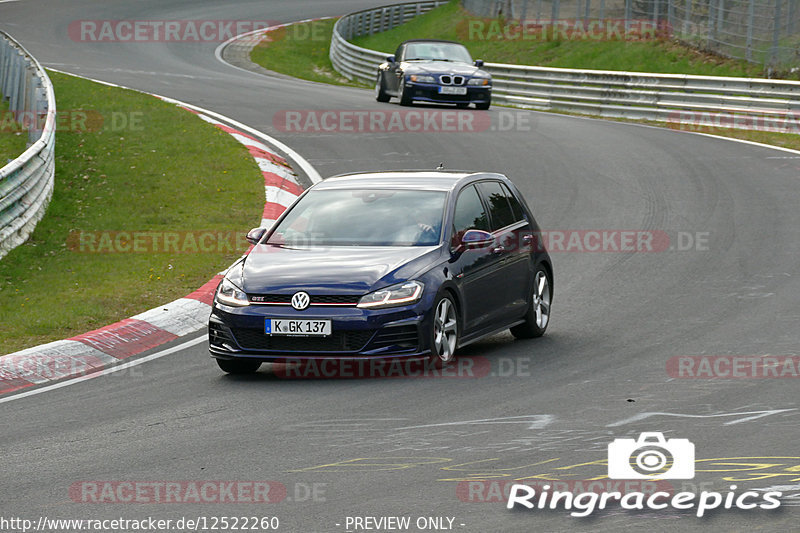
[[433, 51], [363, 217]]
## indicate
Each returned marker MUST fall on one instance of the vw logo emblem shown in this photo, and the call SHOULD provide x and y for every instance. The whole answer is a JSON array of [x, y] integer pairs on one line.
[[300, 300]]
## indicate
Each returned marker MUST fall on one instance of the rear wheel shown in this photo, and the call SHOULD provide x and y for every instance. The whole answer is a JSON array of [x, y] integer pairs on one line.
[[404, 93], [380, 92], [445, 330], [238, 366], [538, 316]]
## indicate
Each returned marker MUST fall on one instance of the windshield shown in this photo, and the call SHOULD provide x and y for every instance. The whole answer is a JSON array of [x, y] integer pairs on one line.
[[437, 51], [363, 217]]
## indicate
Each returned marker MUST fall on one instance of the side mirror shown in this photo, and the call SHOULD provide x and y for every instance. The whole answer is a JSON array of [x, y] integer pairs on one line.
[[255, 235], [479, 63], [390, 59], [475, 239]]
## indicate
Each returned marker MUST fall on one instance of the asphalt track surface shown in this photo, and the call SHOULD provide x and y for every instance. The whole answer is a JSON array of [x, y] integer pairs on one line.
[[385, 447]]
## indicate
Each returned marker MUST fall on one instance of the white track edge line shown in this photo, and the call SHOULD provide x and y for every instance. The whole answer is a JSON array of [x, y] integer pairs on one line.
[[110, 370]]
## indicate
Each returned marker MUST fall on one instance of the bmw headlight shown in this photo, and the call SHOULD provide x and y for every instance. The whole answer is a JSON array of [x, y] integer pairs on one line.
[[228, 292], [478, 81], [420, 78], [400, 294]]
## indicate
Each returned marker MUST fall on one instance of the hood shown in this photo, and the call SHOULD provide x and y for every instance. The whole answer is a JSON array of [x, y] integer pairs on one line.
[[280, 269], [441, 67]]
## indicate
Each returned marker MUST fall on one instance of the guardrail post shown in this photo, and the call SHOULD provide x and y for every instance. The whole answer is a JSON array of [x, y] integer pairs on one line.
[[776, 34], [554, 9], [627, 16], [711, 33], [687, 17], [751, 11]]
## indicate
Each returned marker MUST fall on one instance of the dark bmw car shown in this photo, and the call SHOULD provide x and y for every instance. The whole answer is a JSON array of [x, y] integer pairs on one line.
[[406, 264], [434, 71]]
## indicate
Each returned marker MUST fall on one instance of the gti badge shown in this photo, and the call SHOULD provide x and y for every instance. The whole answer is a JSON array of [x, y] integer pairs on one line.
[[300, 300]]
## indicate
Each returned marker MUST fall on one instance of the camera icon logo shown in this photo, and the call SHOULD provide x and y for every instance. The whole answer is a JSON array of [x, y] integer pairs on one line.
[[651, 457]]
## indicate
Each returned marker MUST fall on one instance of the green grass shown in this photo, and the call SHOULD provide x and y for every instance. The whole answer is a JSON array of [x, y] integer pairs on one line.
[[141, 165], [486, 39], [13, 138], [301, 50]]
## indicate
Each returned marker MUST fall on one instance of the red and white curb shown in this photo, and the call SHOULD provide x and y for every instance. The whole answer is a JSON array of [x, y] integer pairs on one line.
[[96, 350]]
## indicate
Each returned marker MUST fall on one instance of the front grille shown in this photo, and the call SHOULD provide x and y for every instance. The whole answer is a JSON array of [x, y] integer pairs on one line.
[[448, 79], [286, 299], [406, 337], [338, 341]]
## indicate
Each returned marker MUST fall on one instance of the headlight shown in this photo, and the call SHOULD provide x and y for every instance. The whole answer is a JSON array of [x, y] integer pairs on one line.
[[423, 79], [230, 294], [478, 81], [400, 294]]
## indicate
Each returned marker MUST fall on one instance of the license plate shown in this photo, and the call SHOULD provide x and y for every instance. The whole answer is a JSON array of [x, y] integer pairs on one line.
[[301, 328], [452, 90]]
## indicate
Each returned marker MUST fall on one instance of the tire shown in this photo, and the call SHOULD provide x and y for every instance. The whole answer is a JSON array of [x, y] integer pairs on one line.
[[238, 366], [380, 93], [405, 98], [445, 330], [483, 106], [538, 316]]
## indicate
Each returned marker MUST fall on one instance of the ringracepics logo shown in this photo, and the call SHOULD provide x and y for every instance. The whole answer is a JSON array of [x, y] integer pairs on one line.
[[650, 457]]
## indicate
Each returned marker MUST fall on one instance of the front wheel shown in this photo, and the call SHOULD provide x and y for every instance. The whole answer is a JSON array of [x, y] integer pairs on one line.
[[445, 330], [238, 366], [484, 105], [380, 92], [538, 316], [403, 93]]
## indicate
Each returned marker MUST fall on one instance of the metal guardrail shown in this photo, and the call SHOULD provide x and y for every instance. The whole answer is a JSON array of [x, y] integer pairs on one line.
[[26, 183], [744, 103], [361, 64]]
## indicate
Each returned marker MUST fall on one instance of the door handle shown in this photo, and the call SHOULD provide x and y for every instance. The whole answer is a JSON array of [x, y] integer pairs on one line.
[[498, 250]]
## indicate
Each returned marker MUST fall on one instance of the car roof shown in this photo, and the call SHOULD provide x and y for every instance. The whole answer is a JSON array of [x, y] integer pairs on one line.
[[439, 180]]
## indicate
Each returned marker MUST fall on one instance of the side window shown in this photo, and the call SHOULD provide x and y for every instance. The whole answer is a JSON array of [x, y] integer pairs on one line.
[[469, 214], [516, 206], [499, 208]]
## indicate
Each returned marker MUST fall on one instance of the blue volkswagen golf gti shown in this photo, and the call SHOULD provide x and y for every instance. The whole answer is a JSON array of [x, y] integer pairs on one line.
[[400, 264]]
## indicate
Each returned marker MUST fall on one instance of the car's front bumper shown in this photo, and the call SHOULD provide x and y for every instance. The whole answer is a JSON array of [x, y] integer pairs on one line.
[[356, 333], [430, 93]]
